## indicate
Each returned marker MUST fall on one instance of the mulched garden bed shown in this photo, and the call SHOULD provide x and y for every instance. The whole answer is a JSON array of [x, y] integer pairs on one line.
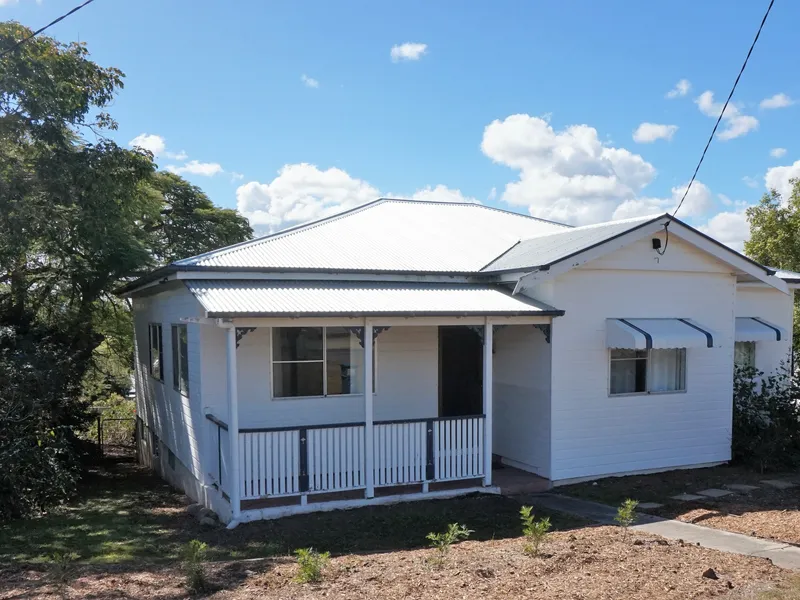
[[587, 563]]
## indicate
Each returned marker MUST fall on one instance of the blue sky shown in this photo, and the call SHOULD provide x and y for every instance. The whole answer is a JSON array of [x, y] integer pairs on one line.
[[297, 109]]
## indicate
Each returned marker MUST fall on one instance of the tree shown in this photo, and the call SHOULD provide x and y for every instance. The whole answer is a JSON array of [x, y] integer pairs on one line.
[[775, 236], [77, 217], [189, 223]]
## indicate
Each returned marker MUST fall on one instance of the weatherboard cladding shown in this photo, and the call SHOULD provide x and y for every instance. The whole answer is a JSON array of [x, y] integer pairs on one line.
[[388, 235], [275, 298], [550, 248]]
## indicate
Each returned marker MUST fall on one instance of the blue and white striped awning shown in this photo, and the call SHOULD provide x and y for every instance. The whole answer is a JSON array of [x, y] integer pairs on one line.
[[754, 329], [643, 334]]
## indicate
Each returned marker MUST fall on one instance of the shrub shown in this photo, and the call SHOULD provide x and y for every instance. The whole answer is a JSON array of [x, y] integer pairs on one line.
[[626, 514], [61, 567], [443, 541], [193, 569], [311, 564], [535, 531], [766, 419]]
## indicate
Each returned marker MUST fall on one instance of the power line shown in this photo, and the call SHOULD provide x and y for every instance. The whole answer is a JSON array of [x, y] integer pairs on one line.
[[719, 119], [716, 125], [38, 31]]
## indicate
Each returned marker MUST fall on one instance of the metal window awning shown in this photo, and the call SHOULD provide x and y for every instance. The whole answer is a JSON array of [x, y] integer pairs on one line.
[[643, 334], [755, 329]]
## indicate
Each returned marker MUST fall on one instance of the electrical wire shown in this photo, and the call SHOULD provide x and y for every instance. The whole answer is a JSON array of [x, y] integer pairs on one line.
[[38, 31], [716, 125]]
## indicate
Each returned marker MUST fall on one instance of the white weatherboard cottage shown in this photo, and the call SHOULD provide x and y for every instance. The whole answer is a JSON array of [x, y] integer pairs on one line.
[[392, 351]]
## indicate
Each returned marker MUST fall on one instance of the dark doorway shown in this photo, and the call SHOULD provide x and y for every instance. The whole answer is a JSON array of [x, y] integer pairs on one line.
[[460, 372]]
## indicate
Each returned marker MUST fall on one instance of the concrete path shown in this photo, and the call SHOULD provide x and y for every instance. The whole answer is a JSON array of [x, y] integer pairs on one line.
[[782, 555]]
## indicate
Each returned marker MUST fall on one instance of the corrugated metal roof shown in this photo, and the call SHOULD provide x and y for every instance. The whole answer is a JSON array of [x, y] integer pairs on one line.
[[387, 236], [548, 249], [788, 276], [232, 298]]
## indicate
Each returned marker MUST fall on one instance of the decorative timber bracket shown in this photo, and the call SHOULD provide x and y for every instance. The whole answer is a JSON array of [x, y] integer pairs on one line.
[[545, 329], [241, 332], [359, 333], [478, 329]]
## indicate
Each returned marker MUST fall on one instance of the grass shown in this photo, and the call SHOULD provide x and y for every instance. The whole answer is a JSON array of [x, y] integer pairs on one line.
[[788, 591], [125, 514]]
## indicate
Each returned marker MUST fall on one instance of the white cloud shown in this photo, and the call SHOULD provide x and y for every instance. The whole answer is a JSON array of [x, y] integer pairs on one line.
[[731, 228], [149, 141], [408, 51], [735, 122], [569, 175], [777, 152], [492, 194], [177, 155], [749, 181], [681, 89], [650, 132], [698, 201], [777, 101], [779, 179], [195, 167], [301, 192], [725, 199], [309, 81], [442, 193]]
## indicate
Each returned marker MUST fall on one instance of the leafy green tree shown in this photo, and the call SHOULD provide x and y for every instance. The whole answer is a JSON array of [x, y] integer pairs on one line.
[[78, 215], [775, 237]]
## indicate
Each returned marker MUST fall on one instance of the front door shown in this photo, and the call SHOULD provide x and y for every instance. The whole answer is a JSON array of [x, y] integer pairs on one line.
[[460, 372]]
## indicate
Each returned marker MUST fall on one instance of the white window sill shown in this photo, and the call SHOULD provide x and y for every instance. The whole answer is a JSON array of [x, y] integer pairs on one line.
[[630, 394]]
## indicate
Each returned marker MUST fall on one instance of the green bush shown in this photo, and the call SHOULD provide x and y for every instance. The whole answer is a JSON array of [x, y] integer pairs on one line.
[[39, 453], [193, 568], [766, 419], [443, 541], [535, 531], [626, 515], [311, 564]]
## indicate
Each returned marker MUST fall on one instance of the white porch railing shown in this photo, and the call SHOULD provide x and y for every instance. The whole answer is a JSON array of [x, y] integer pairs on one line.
[[220, 449], [332, 458]]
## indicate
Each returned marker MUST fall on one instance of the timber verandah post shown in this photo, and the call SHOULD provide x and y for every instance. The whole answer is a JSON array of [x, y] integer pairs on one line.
[[233, 425], [369, 417], [488, 335]]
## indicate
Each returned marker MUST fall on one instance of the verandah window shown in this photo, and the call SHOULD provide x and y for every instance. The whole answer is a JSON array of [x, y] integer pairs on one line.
[[316, 361], [647, 371]]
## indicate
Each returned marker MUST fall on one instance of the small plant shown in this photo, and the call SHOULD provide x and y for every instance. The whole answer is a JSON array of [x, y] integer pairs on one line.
[[61, 567], [443, 541], [626, 514], [535, 531], [193, 555], [311, 564]]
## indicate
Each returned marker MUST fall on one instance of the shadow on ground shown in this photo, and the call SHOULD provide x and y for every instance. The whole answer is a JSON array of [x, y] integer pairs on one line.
[[125, 514]]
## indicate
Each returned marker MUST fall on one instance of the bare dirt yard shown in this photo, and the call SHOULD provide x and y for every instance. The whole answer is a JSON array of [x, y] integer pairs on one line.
[[128, 529], [765, 512]]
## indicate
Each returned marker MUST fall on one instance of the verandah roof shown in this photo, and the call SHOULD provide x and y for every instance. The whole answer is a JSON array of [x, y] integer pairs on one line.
[[251, 298]]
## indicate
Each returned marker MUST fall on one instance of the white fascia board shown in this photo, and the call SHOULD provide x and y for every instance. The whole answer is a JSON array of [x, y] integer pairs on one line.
[[739, 263], [528, 280], [316, 276], [730, 257]]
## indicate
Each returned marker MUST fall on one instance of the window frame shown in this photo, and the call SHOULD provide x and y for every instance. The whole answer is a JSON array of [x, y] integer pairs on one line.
[[324, 362], [648, 378], [160, 330], [177, 360]]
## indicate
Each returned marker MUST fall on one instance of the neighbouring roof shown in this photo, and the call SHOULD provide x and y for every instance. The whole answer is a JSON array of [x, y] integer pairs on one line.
[[550, 248], [787, 276], [246, 298], [387, 236]]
